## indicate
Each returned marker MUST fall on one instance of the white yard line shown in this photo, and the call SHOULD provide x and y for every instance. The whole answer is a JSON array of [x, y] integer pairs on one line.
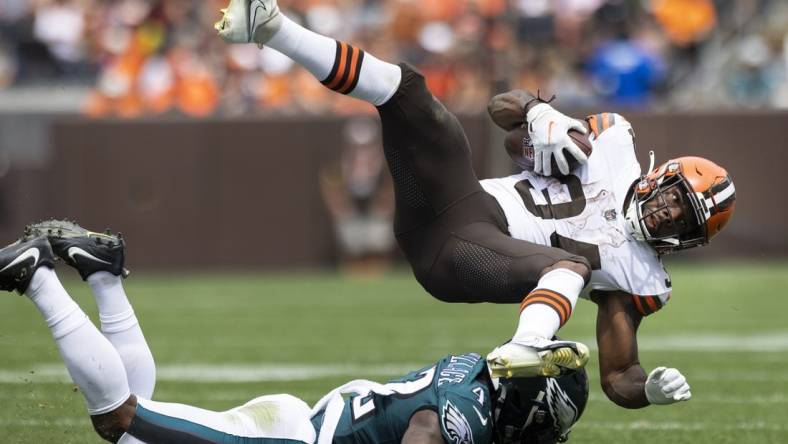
[[583, 424], [775, 343], [770, 342], [229, 372], [680, 426]]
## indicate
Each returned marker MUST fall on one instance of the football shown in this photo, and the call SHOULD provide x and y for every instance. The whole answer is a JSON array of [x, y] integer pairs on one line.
[[519, 147]]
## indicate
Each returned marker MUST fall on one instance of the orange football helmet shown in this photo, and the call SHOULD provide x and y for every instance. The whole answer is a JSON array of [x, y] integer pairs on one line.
[[681, 204]]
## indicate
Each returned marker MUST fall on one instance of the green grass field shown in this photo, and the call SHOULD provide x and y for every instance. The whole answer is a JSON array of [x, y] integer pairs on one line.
[[220, 340]]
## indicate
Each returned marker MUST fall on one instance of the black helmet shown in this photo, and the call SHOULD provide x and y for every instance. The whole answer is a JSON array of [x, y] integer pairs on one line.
[[539, 410]]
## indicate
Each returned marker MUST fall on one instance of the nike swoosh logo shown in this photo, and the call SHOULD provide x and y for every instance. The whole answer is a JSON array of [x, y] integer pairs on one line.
[[550, 131], [76, 251], [482, 418], [31, 252]]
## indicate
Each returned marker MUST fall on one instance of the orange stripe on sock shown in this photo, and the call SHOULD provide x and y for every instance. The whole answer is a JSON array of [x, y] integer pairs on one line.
[[343, 56], [557, 301], [541, 298], [558, 297], [562, 317], [353, 62]]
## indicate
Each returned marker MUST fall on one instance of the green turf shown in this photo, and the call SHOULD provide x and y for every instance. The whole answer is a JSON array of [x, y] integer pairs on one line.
[[309, 319]]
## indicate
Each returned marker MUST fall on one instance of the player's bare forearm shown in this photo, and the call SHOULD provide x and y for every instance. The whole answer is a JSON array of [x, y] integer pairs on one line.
[[508, 109], [423, 428], [623, 379]]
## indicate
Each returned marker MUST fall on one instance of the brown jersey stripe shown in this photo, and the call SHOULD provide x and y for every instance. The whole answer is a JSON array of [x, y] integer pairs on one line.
[[356, 74], [639, 306], [335, 68], [353, 71], [342, 67], [652, 306], [654, 303], [562, 316], [647, 305]]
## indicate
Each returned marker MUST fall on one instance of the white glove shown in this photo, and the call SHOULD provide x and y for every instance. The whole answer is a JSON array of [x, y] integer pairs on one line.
[[548, 130], [666, 386]]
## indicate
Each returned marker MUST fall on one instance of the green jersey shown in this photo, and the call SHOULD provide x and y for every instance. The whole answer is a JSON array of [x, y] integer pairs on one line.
[[457, 388]]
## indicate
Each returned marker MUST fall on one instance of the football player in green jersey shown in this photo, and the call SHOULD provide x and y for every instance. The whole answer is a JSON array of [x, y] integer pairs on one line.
[[454, 400]]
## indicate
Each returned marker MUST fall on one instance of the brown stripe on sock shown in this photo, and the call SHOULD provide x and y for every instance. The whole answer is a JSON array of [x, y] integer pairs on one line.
[[556, 301], [335, 68], [548, 302], [344, 73], [559, 298], [358, 72], [342, 66], [554, 296], [355, 72]]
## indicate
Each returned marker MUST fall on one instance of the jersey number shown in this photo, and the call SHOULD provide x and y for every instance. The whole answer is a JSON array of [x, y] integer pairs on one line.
[[364, 406], [565, 210]]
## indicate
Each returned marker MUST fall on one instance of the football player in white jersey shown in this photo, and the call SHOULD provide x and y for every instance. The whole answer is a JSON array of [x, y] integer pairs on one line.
[[468, 244], [619, 219]]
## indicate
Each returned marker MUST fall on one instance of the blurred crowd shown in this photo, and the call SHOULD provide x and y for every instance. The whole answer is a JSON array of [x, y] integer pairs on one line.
[[143, 57]]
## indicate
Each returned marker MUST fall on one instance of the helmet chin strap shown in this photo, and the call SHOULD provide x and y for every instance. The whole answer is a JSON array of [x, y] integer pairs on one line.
[[632, 215], [633, 221], [650, 161]]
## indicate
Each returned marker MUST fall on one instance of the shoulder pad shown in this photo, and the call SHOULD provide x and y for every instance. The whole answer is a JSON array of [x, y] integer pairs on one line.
[[598, 123]]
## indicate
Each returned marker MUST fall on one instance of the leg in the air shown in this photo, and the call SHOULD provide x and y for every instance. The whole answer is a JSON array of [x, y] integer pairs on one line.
[[90, 359], [338, 65], [97, 369], [99, 259], [425, 146]]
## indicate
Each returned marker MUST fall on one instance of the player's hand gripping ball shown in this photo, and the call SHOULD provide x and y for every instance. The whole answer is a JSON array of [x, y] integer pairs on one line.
[[520, 149]]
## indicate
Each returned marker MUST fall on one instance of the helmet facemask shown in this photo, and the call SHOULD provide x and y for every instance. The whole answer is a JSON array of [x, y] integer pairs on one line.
[[652, 213], [681, 204]]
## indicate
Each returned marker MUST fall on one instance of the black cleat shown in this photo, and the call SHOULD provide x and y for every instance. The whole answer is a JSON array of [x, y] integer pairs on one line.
[[21, 259], [84, 250]]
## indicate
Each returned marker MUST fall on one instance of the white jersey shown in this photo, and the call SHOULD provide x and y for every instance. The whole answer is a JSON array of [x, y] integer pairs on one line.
[[583, 213]]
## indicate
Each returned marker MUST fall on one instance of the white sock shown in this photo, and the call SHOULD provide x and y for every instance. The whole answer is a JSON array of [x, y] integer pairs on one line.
[[121, 327], [91, 360], [550, 304], [338, 65]]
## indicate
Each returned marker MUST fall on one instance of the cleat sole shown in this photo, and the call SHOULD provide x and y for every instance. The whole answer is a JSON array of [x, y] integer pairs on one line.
[[549, 363]]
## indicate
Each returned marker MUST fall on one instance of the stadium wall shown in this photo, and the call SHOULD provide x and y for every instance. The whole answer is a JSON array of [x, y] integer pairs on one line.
[[245, 193]]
